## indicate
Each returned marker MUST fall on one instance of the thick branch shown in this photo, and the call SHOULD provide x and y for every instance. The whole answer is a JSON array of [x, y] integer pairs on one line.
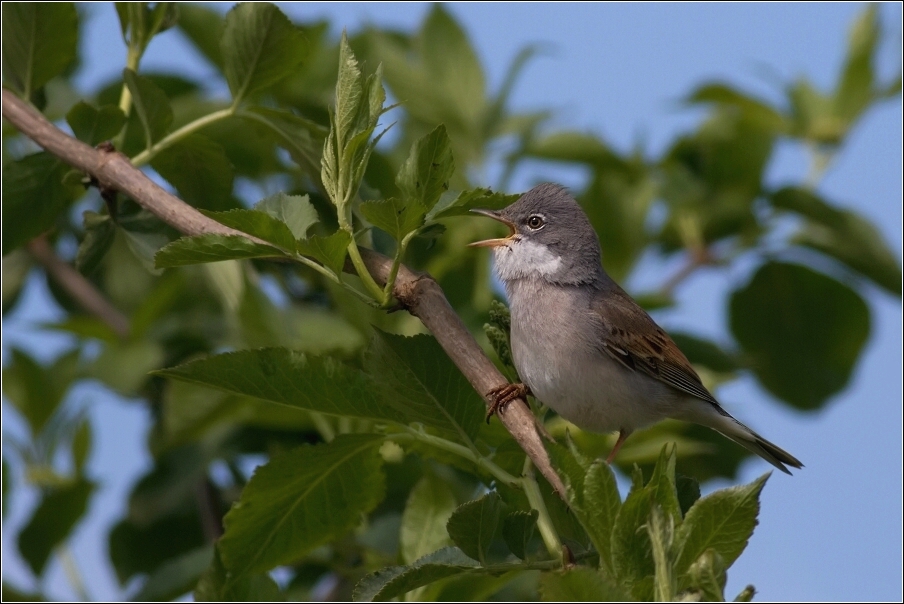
[[417, 291]]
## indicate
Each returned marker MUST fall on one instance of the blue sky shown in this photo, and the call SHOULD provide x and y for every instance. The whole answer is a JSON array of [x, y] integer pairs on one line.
[[831, 532]]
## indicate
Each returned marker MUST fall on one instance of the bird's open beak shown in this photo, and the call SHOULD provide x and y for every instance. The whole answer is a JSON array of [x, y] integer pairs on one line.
[[494, 242]]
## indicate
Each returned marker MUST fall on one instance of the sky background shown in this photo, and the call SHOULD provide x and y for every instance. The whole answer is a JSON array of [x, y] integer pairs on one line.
[[831, 532]]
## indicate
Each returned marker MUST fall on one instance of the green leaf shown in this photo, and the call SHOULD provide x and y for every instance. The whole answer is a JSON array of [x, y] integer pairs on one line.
[[518, 530], [723, 520], [707, 575], [100, 232], [124, 366], [688, 490], [706, 353], [199, 170], [469, 200], [36, 390], [580, 584], [176, 576], [600, 508], [300, 500], [258, 224], [855, 89], [802, 332], [260, 47], [291, 378], [296, 211], [211, 248], [203, 27], [34, 196], [151, 105], [425, 174], [843, 235], [91, 125], [427, 511], [473, 525], [573, 147], [301, 137], [395, 216], [723, 94], [137, 547], [330, 250], [397, 580], [419, 375], [81, 445], [219, 585], [662, 482], [632, 555], [140, 22], [39, 42], [52, 521]]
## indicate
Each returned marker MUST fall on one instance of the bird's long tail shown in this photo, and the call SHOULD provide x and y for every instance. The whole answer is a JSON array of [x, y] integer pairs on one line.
[[721, 421]]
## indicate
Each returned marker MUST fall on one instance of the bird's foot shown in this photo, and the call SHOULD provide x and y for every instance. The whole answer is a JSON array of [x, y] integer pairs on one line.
[[503, 395], [622, 436]]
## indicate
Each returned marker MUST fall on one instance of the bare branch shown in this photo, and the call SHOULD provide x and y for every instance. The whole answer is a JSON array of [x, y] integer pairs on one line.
[[75, 284], [419, 292]]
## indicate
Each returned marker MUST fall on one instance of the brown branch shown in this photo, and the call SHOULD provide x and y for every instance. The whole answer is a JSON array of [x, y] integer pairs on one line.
[[75, 284], [419, 292]]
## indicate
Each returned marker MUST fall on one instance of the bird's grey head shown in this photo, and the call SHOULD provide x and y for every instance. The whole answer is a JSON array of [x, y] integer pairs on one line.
[[551, 239]]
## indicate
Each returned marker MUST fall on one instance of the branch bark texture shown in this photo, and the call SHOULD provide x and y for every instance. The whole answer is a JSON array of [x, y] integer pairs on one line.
[[418, 292]]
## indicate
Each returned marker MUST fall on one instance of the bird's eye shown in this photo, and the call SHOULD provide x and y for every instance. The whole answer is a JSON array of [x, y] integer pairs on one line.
[[535, 222]]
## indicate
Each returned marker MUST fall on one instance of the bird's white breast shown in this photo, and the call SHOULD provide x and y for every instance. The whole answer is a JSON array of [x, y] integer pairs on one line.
[[522, 258]]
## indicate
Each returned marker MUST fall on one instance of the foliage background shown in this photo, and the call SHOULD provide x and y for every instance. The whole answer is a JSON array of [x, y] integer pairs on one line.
[[833, 531]]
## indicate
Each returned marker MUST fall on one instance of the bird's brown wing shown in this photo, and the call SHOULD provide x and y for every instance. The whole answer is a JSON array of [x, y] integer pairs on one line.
[[631, 337]]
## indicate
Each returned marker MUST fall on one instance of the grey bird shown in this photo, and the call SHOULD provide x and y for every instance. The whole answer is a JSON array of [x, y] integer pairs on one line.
[[582, 345]]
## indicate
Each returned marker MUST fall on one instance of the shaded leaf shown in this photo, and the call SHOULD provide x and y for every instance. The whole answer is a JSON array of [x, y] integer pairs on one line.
[[395, 216], [579, 584], [330, 250], [39, 42], [723, 94], [259, 224], [573, 147], [199, 170], [468, 200], [34, 196], [802, 332], [176, 577], [300, 500], [296, 211], [150, 104], [473, 525], [425, 174], [219, 585], [393, 581], [428, 509], [260, 47], [81, 445], [855, 86], [723, 521], [52, 521], [204, 28], [91, 125], [36, 390], [416, 372], [211, 248], [518, 530], [688, 490], [707, 575]]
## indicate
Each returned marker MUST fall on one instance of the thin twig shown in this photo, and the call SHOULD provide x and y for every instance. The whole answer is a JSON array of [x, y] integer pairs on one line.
[[418, 292], [77, 286]]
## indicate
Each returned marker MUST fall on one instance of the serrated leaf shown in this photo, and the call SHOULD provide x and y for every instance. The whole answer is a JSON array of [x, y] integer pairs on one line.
[[579, 584], [397, 580], [52, 521], [39, 42], [219, 585], [428, 509], [473, 525], [416, 372], [91, 125], [425, 174], [707, 575], [469, 200], [662, 483], [145, 246], [211, 248], [296, 211], [395, 216], [330, 250], [258, 224], [600, 507], [203, 27], [843, 235], [260, 47], [300, 500], [801, 330], [33, 198], [151, 105], [100, 232], [518, 529], [199, 170], [292, 378], [723, 521], [632, 555]]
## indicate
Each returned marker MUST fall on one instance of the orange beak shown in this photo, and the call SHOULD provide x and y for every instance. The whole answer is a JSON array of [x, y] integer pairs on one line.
[[494, 242]]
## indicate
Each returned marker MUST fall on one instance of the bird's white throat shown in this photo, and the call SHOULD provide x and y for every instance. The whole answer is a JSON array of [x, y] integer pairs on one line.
[[521, 258]]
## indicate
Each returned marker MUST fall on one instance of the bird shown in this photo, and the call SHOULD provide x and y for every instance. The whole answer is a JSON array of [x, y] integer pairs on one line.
[[581, 344]]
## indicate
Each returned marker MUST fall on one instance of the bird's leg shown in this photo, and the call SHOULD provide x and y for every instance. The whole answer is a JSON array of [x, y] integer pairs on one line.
[[622, 436], [503, 395]]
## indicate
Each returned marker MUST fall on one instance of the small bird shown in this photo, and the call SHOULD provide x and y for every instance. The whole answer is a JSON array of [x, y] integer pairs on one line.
[[582, 345]]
